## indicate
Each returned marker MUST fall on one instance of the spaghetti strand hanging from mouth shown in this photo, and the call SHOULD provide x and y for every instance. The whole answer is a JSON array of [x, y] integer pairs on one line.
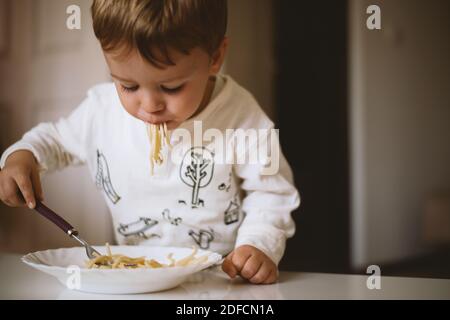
[[159, 138]]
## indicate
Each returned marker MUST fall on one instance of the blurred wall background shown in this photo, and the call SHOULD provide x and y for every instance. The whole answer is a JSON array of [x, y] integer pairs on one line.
[[46, 70], [364, 120], [399, 90]]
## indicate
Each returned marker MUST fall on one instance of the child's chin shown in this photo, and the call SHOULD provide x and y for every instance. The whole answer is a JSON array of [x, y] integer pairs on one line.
[[171, 125]]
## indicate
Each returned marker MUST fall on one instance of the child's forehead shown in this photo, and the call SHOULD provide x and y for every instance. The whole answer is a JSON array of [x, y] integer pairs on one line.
[[135, 67], [132, 64]]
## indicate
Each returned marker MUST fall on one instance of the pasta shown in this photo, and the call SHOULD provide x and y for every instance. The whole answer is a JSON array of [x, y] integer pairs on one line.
[[159, 137], [119, 261]]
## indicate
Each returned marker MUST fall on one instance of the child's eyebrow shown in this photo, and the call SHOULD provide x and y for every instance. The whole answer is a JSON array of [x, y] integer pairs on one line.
[[184, 76], [121, 79], [165, 81]]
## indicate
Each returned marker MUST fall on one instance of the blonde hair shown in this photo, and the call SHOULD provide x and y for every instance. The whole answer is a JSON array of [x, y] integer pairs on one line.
[[155, 26]]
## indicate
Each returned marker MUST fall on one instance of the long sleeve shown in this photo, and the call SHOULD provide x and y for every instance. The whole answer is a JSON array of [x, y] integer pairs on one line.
[[268, 204], [60, 144]]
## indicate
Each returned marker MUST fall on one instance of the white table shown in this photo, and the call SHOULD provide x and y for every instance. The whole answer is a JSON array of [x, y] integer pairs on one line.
[[19, 281]]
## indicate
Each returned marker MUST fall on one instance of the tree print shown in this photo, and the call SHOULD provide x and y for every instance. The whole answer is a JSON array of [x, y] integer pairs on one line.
[[196, 171]]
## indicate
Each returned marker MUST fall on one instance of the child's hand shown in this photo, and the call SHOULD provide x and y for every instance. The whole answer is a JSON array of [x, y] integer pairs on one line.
[[20, 184], [252, 264]]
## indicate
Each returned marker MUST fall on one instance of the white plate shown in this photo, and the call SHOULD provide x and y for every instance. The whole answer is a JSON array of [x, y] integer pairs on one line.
[[119, 281]]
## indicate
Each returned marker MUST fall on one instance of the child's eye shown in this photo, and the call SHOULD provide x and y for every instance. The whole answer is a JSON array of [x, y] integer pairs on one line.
[[129, 89], [172, 90]]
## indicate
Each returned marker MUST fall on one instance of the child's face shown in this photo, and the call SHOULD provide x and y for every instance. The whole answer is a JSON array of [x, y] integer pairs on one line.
[[170, 95]]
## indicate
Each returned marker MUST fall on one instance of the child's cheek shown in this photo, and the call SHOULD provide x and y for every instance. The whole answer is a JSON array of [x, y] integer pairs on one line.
[[131, 104], [181, 106]]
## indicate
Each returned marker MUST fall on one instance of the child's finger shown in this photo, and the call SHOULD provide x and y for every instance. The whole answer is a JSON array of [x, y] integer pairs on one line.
[[2, 188], [239, 258], [228, 267], [11, 193], [36, 180], [251, 267], [25, 186], [261, 275], [272, 277]]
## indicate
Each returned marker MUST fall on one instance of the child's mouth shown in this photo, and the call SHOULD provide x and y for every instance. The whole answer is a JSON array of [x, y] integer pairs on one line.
[[150, 118]]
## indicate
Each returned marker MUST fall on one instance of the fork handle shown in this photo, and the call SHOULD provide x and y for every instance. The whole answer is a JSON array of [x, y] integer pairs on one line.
[[55, 218]]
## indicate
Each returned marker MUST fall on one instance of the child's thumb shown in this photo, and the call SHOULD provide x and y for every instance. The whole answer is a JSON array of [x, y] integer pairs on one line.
[[228, 266], [26, 188]]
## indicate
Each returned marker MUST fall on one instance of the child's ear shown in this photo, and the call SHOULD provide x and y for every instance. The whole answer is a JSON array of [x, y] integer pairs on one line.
[[218, 57]]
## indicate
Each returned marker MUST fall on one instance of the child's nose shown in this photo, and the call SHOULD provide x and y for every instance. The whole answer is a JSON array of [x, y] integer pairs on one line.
[[152, 104]]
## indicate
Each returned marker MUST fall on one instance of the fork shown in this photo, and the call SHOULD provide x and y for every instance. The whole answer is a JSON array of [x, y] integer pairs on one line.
[[66, 227]]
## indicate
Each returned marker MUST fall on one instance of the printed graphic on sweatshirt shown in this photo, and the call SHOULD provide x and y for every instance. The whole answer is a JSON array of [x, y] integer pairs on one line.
[[196, 171], [103, 179], [202, 237], [138, 229], [231, 214], [175, 221], [225, 186]]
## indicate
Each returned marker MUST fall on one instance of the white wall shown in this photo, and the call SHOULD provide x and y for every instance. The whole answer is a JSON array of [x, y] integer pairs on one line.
[[399, 123]]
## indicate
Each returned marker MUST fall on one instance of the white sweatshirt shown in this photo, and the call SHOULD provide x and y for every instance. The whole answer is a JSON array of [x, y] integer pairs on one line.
[[228, 206]]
